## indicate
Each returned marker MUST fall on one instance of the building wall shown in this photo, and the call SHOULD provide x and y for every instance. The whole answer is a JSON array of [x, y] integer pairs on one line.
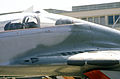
[[96, 7], [93, 13], [97, 16]]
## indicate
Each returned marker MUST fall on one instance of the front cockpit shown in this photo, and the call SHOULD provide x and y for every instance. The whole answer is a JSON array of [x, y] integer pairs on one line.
[[27, 22]]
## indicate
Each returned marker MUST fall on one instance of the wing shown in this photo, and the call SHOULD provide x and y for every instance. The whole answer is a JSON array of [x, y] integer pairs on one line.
[[10, 13]]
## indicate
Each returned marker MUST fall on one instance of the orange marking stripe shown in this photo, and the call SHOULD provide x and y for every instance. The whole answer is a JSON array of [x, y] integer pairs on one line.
[[96, 74]]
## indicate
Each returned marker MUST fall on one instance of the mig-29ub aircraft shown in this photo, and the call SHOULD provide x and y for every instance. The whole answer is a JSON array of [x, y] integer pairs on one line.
[[40, 43]]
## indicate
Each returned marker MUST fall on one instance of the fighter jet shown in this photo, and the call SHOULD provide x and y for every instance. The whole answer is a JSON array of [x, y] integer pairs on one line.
[[39, 43]]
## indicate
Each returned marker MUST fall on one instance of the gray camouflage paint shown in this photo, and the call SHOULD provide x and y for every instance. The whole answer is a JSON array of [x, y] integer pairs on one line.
[[49, 48]]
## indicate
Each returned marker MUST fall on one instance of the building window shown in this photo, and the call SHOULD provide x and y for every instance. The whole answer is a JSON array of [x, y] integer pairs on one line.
[[84, 19], [90, 19], [116, 17], [102, 20], [96, 20], [110, 20]]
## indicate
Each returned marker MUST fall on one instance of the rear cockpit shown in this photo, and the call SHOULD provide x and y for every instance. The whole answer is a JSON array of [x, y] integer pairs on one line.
[[63, 21]]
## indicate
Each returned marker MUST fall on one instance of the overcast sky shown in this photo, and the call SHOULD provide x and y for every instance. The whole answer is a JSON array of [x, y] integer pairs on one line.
[[17, 5]]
